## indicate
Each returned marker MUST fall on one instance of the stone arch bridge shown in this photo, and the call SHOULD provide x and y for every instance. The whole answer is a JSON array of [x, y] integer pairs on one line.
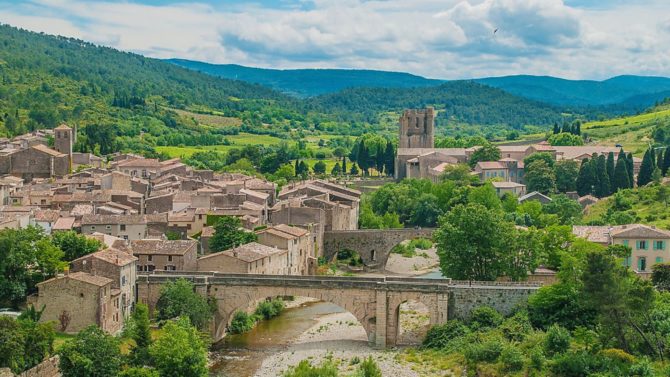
[[373, 245], [375, 302]]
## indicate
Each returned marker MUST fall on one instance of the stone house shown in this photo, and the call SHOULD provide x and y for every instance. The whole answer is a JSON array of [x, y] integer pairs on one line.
[[535, 196], [296, 241], [84, 298], [129, 227], [165, 255], [140, 167], [45, 219], [37, 161], [502, 188], [116, 265], [251, 258], [649, 245]]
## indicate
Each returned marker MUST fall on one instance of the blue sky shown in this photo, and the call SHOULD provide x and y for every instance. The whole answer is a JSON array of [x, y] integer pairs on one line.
[[580, 39]]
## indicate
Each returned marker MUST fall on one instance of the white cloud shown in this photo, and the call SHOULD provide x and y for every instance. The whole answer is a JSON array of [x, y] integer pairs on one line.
[[435, 38]]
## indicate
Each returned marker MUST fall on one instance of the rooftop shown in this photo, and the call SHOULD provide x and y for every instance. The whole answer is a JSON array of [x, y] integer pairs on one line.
[[163, 247]]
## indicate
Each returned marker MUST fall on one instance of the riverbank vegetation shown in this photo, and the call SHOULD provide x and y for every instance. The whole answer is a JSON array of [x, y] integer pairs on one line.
[[599, 319], [329, 368], [267, 309]]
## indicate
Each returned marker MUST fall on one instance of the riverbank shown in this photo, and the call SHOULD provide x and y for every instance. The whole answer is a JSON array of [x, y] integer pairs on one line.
[[338, 337], [423, 262]]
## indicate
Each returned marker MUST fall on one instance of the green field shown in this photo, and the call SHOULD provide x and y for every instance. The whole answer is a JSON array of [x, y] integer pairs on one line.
[[633, 132]]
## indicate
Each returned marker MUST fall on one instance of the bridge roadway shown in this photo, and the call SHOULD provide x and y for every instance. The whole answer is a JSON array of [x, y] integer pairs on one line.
[[374, 301]]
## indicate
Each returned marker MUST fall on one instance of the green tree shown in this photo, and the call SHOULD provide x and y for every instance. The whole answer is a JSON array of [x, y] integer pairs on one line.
[[11, 345], [540, 177], [141, 334], [179, 351], [139, 372], [569, 211], [426, 211], [646, 169], [586, 179], [565, 139], [566, 172], [663, 195], [179, 299], [354, 170], [337, 170], [27, 257], [543, 156], [363, 157], [285, 171], [485, 195], [228, 233], [319, 167], [487, 152], [610, 170], [460, 174], [602, 188], [472, 243], [621, 179], [75, 245], [91, 353], [666, 162], [344, 165], [631, 169], [389, 159]]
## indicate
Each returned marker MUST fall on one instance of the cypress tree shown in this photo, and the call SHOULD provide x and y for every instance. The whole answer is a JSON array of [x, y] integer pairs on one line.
[[659, 160], [585, 178], [620, 181], [296, 169], [610, 169], [578, 128], [363, 158], [631, 170], [652, 154], [666, 162], [646, 169], [557, 129], [344, 164], [389, 157], [602, 187]]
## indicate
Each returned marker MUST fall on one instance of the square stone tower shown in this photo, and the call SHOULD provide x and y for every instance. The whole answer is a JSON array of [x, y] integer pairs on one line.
[[417, 128], [64, 140]]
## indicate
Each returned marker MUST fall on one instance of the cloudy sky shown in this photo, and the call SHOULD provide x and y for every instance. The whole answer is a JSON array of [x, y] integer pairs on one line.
[[579, 39]]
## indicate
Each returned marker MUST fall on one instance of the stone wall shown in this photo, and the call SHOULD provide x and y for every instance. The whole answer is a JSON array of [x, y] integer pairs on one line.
[[47, 368], [159, 204], [504, 298]]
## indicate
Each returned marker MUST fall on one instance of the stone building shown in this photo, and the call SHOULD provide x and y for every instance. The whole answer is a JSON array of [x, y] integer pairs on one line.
[[251, 258], [296, 241], [81, 298], [166, 255], [417, 128], [116, 265], [649, 245], [37, 161]]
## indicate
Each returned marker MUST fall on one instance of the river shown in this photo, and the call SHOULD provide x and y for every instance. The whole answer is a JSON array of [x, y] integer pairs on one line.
[[241, 355]]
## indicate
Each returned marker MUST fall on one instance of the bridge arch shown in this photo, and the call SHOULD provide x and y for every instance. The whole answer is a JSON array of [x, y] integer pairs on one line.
[[230, 299], [373, 245]]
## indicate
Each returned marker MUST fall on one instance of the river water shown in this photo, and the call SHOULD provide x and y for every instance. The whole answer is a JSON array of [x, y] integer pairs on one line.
[[241, 355]]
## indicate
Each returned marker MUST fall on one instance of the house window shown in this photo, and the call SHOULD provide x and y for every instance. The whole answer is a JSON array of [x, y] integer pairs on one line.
[[659, 245], [151, 268], [139, 267], [169, 258], [642, 264], [625, 243], [627, 261], [659, 259], [92, 227], [123, 226], [642, 245], [151, 258], [123, 281], [108, 227], [373, 255]]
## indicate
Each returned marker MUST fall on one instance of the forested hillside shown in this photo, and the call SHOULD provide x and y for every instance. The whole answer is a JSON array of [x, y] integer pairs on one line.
[[623, 93], [310, 82], [461, 101]]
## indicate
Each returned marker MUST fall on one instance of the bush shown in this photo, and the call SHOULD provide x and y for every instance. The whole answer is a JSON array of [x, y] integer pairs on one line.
[[440, 336], [512, 359], [517, 327], [305, 369], [421, 243], [241, 323], [536, 359], [488, 351], [558, 340], [369, 368], [484, 317], [581, 364], [642, 368], [270, 309]]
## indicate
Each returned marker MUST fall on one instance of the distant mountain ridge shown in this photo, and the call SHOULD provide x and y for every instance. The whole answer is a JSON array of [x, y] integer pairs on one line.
[[628, 92]]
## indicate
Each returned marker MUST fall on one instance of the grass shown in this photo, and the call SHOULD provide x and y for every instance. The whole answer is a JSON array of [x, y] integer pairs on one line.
[[60, 339], [213, 120], [645, 208]]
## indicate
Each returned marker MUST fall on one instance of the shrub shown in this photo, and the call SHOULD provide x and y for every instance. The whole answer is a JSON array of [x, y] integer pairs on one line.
[[485, 317], [642, 368], [536, 358], [558, 340], [270, 309], [517, 327], [512, 359], [242, 322], [580, 364], [305, 369], [488, 351], [440, 336], [661, 276], [369, 368], [421, 243]]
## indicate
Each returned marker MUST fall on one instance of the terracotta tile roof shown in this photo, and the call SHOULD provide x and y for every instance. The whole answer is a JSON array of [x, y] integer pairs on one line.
[[112, 256], [85, 277], [64, 223], [597, 234], [47, 215], [63, 127], [248, 253], [490, 165], [43, 148], [638, 231], [208, 231], [140, 163], [292, 230], [163, 247]]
